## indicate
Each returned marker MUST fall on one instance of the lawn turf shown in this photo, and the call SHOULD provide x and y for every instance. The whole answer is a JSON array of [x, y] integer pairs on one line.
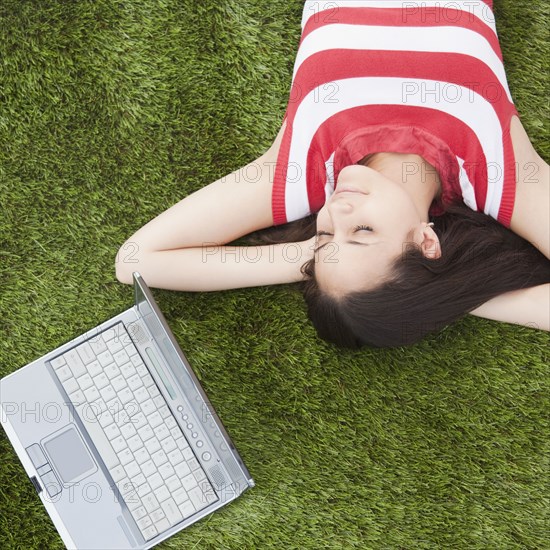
[[112, 111]]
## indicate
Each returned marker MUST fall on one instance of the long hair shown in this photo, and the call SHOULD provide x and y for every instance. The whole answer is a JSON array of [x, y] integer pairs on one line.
[[480, 259]]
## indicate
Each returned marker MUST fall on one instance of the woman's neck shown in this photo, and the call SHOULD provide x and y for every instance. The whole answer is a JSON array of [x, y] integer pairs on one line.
[[412, 172]]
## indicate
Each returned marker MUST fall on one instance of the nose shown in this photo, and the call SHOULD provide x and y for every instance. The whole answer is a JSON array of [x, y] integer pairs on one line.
[[340, 204]]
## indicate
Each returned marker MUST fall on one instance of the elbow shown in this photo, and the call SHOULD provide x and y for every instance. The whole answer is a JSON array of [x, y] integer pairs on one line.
[[123, 269], [123, 275]]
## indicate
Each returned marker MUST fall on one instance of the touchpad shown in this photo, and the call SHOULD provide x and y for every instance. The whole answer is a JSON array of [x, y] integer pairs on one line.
[[69, 455]]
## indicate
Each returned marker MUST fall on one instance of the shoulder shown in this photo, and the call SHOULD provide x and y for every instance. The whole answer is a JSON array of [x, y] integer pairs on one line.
[[531, 214], [524, 152], [273, 152]]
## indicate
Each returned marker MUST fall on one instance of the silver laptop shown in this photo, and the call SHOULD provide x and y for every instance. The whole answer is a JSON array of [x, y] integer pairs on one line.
[[117, 435]]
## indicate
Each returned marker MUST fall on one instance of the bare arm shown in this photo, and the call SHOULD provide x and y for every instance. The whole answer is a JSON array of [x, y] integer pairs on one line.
[[184, 248], [214, 267], [528, 307], [531, 215], [531, 220]]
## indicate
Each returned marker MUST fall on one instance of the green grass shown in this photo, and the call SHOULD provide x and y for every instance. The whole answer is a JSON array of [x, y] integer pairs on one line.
[[110, 112]]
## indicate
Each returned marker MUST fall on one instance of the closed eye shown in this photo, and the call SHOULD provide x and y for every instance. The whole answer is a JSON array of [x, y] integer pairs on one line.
[[358, 228]]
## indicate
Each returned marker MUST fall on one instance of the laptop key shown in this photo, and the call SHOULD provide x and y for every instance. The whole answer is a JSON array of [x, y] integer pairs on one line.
[[186, 508], [64, 373], [162, 493], [182, 469], [77, 397], [162, 432], [140, 368], [130, 405], [150, 502], [118, 382], [105, 358], [121, 358], [91, 394], [101, 380], [144, 522], [109, 334], [139, 420], [106, 419], [148, 468], [155, 419], [141, 455], [141, 394], [162, 525], [137, 361], [86, 353], [189, 482], [157, 515], [149, 382], [132, 469], [135, 443], [143, 490], [127, 369], [119, 444], [148, 407], [180, 495], [71, 385], [149, 533], [58, 362], [97, 344], [187, 452], [138, 513], [193, 463], [114, 345], [111, 370], [94, 368], [159, 458], [108, 393], [126, 456], [75, 363], [128, 430], [130, 348], [85, 381], [152, 445], [134, 382], [173, 483], [173, 515], [168, 444], [175, 457], [166, 470], [112, 431], [197, 497]]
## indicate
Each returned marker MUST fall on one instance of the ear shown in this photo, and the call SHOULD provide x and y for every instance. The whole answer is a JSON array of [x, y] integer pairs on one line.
[[430, 245]]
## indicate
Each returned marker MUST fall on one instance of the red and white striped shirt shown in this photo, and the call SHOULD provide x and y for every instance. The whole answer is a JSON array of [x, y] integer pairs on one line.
[[422, 77]]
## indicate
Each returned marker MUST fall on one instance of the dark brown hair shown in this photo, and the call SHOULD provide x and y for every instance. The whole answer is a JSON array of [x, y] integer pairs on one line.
[[480, 259]]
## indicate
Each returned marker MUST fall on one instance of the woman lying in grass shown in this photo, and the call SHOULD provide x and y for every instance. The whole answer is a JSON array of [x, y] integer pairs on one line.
[[402, 190]]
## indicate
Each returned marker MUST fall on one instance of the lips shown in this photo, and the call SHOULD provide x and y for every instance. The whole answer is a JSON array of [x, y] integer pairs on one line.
[[348, 189]]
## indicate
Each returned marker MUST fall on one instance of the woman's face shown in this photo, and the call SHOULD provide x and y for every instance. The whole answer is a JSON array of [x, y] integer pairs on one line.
[[362, 228]]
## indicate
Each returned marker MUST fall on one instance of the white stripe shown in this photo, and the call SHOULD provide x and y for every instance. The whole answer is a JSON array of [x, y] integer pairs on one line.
[[468, 191], [329, 186], [416, 39], [478, 9], [471, 108]]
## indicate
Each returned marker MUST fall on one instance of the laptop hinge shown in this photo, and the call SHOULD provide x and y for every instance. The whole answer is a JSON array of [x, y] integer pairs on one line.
[[36, 484]]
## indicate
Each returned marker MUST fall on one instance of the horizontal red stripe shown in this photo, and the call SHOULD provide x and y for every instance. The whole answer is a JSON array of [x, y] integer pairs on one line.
[[446, 128], [327, 67], [428, 16]]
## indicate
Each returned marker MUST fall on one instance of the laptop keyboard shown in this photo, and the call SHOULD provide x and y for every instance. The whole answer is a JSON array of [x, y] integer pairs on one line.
[[134, 431]]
